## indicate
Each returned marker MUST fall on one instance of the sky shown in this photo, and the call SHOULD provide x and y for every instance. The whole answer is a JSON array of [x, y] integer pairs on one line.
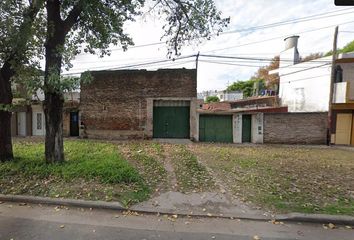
[[316, 35]]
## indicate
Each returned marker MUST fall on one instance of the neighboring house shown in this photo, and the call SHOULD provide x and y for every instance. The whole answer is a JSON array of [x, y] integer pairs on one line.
[[305, 87], [222, 95], [28, 114], [140, 104], [343, 102], [229, 95], [236, 121]]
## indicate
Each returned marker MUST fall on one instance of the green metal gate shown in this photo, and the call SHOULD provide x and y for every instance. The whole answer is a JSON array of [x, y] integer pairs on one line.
[[215, 128], [171, 122], [246, 128]]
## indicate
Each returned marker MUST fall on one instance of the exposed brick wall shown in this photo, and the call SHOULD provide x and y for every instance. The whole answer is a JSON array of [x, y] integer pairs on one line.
[[216, 106], [116, 100], [270, 101], [295, 128]]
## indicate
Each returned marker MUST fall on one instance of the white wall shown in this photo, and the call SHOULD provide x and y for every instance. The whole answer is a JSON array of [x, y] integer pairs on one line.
[[257, 128], [304, 87], [348, 76]]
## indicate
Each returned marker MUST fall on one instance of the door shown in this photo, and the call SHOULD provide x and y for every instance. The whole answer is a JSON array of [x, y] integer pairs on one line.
[[38, 124], [246, 128], [21, 123], [343, 128], [215, 128], [171, 122], [74, 124]]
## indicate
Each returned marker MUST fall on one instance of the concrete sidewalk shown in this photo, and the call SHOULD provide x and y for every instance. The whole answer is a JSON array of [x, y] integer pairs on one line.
[[27, 222], [207, 205]]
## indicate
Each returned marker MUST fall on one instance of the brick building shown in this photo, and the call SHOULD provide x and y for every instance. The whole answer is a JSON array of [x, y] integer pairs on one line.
[[140, 104]]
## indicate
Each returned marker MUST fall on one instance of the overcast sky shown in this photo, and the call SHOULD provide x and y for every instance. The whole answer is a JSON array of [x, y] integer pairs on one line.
[[244, 14]]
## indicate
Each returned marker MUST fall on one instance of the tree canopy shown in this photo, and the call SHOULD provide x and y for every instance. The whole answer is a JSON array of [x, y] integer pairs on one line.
[[211, 99], [58, 30], [247, 87]]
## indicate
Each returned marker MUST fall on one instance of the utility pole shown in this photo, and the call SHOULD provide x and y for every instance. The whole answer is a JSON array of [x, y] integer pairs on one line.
[[196, 61], [334, 57]]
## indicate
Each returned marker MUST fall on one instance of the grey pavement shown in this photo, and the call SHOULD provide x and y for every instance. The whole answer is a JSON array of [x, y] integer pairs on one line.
[[206, 203], [19, 221]]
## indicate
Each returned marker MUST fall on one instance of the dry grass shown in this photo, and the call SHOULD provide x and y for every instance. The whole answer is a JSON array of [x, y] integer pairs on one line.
[[285, 178]]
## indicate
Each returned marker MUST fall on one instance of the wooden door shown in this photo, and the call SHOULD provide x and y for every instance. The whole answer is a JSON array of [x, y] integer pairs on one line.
[[343, 128]]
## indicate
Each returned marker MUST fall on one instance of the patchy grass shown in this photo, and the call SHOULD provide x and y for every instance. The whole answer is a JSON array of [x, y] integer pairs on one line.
[[145, 156], [190, 174], [92, 170], [285, 178]]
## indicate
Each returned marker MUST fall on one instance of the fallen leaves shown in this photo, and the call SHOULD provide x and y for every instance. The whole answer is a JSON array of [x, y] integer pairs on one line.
[[256, 237], [276, 222], [62, 226], [329, 226]]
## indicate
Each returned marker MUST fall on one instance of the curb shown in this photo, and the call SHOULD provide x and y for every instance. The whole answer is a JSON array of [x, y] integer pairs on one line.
[[291, 217], [317, 218], [63, 202]]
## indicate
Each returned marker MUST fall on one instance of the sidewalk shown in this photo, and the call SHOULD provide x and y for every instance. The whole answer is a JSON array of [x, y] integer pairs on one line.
[[206, 205]]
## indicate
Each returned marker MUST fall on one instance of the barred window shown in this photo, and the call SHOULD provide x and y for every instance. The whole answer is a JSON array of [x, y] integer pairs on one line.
[[39, 121]]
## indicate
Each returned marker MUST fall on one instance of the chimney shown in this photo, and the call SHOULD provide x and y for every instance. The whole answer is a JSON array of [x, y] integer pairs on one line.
[[291, 50], [291, 42]]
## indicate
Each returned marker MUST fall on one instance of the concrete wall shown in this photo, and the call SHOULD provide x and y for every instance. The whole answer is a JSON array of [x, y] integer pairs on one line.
[[295, 128], [237, 128], [256, 127], [304, 87], [348, 76], [118, 104]]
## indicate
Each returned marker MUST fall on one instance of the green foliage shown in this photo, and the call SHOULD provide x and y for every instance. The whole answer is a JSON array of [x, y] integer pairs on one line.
[[247, 87], [93, 171], [21, 35], [349, 47], [212, 99], [189, 21], [84, 160]]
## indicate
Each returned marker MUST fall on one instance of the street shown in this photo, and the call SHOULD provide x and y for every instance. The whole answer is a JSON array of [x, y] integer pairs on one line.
[[22, 221]]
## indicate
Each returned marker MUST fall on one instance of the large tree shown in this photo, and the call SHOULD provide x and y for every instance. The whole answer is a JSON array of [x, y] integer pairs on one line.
[[75, 25], [18, 28]]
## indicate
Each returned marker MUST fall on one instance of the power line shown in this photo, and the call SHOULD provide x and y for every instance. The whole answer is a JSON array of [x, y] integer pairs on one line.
[[256, 59], [286, 74], [231, 64], [277, 24], [247, 29], [302, 79], [129, 66], [276, 38]]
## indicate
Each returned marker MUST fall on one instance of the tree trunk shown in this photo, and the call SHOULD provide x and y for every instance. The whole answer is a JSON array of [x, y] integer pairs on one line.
[[54, 100], [5, 133], [5, 116], [53, 110]]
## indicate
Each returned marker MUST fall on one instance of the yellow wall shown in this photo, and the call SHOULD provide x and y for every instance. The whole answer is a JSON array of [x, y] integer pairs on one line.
[[353, 131], [343, 128]]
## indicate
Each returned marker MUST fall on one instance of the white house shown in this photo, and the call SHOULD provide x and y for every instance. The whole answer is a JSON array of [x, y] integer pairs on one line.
[[222, 95], [304, 87]]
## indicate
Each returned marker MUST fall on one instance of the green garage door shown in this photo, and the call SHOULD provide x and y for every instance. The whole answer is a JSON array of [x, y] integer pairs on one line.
[[215, 128], [171, 122], [246, 128]]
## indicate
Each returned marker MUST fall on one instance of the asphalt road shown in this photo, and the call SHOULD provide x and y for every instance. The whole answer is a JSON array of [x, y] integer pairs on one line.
[[24, 222]]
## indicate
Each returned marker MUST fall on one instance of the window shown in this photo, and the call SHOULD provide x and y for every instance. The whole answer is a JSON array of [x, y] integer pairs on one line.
[[39, 121], [338, 74]]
